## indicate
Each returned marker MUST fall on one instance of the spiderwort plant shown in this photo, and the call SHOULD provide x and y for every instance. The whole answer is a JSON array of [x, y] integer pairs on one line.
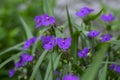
[[54, 52]]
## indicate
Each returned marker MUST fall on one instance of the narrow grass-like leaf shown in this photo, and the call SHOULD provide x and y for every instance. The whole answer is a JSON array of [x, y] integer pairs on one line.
[[93, 17], [35, 68], [69, 22], [103, 71], [48, 8], [10, 59], [27, 30], [91, 72], [49, 69], [38, 76], [16, 47], [74, 45]]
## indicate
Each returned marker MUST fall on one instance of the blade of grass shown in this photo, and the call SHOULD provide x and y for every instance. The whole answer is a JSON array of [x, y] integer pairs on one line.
[[74, 45], [16, 47], [10, 59], [48, 73], [48, 8], [27, 30], [91, 72], [35, 68], [104, 71], [69, 21]]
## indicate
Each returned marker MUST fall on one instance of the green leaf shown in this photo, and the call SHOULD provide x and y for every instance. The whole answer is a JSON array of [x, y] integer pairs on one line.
[[36, 67], [10, 59], [69, 22], [48, 8], [74, 45], [92, 70], [93, 17], [59, 34], [16, 47], [103, 71], [48, 74], [38, 76], [27, 30]]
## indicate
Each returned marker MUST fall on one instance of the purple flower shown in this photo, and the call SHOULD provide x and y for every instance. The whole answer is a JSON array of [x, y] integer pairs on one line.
[[93, 34], [83, 53], [38, 20], [83, 12], [115, 67], [44, 20], [107, 17], [11, 73], [19, 63], [57, 79], [105, 37], [48, 42], [48, 20], [29, 42], [25, 57], [70, 77], [64, 43], [56, 72]]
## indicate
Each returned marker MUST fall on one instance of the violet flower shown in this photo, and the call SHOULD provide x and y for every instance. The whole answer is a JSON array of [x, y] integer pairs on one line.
[[11, 73], [115, 67], [83, 53], [25, 57], [93, 33], [29, 42], [48, 42], [64, 43], [83, 12], [107, 17], [44, 20], [105, 37], [70, 77]]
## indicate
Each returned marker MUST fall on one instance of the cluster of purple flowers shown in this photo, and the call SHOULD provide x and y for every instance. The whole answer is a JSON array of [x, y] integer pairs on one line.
[[115, 67], [50, 41], [83, 53], [24, 58], [83, 12], [107, 17], [29, 42], [44, 20], [104, 38]]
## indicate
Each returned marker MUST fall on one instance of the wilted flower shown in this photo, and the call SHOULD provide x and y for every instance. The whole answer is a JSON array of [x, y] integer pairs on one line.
[[93, 33], [107, 17], [64, 43], [105, 37], [29, 42], [115, 67], [70, 77], [11, 73], [83, 12], [83, 53], [44, 20], [25, 57], [48, 42]]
